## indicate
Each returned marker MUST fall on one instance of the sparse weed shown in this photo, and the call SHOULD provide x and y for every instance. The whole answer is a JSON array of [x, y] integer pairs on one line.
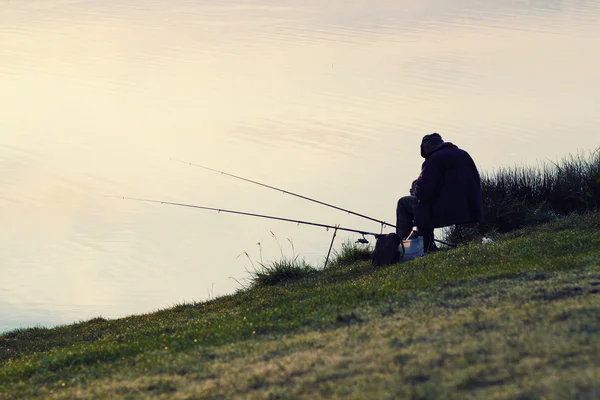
[[277, 271], [274, 272], [350, 253]]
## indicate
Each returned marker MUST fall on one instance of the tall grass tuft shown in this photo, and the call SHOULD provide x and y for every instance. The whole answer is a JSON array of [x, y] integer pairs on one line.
[[274, 272], [286, 269], [523, 196], [350, 253]]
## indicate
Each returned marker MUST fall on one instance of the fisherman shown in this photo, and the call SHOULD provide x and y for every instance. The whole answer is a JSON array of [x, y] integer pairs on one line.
[[447, 192]]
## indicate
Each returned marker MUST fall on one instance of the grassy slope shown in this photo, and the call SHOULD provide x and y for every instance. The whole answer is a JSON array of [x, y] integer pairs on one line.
[[518, 319]]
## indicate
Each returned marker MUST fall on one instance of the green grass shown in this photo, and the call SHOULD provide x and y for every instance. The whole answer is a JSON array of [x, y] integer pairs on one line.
[[517, 319]]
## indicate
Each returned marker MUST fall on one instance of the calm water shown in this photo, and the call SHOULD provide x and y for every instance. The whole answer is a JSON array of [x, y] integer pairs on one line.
[[329, 101]]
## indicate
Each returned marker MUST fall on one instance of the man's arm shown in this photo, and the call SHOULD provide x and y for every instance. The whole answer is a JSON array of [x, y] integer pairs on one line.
[[413, 188], [428, 182]]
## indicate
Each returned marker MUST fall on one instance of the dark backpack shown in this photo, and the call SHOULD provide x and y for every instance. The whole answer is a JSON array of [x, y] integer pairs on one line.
[[386, 250]]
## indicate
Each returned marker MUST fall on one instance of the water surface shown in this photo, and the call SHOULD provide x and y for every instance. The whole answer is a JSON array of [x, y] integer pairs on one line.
[[327, 100]]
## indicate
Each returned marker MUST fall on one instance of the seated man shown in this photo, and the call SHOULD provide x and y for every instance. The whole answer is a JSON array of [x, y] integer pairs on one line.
[[447, 192]]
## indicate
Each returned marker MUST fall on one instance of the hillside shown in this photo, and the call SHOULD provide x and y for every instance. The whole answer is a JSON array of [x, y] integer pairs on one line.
[[516, 319]]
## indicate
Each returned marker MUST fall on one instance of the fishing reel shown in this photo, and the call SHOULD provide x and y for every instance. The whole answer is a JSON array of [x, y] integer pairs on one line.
[[363, 240]]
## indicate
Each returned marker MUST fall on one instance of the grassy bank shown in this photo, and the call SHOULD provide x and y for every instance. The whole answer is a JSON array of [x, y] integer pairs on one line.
[[516, 319], [519, 196]]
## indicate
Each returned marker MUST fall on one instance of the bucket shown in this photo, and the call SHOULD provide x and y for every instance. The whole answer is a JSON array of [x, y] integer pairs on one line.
[[412, 248]]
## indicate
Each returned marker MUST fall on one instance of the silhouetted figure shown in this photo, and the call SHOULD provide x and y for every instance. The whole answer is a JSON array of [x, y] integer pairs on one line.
[[447, 192]]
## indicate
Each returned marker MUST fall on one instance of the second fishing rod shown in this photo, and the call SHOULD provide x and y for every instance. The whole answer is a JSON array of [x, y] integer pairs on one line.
[[383, 223]]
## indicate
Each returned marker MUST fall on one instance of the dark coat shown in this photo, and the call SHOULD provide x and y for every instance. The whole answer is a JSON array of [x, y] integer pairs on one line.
[[448, 189]]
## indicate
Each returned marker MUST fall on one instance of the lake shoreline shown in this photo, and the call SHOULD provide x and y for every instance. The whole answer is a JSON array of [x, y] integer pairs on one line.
[[502, 320]]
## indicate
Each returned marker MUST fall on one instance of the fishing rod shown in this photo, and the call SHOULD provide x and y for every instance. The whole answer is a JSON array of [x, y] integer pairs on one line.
[[285, 191], [339, 228], [383, 223]]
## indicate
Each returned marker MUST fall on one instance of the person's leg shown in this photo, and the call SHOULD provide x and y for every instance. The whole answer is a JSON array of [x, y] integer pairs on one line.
[[405, 215], [428, 240], [424, 224]]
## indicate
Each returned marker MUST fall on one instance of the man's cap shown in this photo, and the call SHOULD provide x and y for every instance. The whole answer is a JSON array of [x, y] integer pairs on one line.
[[430, 143]]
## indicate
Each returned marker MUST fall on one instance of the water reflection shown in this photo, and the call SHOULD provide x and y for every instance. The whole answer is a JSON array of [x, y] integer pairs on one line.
[[328, 101]]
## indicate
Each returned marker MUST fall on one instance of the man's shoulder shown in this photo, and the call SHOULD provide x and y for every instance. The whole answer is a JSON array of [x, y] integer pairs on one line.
[[451, 154], [446, 150], [453, 149]]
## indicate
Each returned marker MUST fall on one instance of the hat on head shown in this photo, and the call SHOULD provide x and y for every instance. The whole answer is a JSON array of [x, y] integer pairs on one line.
[[430, 143]]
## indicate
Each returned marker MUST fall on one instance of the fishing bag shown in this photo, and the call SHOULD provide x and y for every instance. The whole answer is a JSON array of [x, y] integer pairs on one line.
[[386, 250]]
